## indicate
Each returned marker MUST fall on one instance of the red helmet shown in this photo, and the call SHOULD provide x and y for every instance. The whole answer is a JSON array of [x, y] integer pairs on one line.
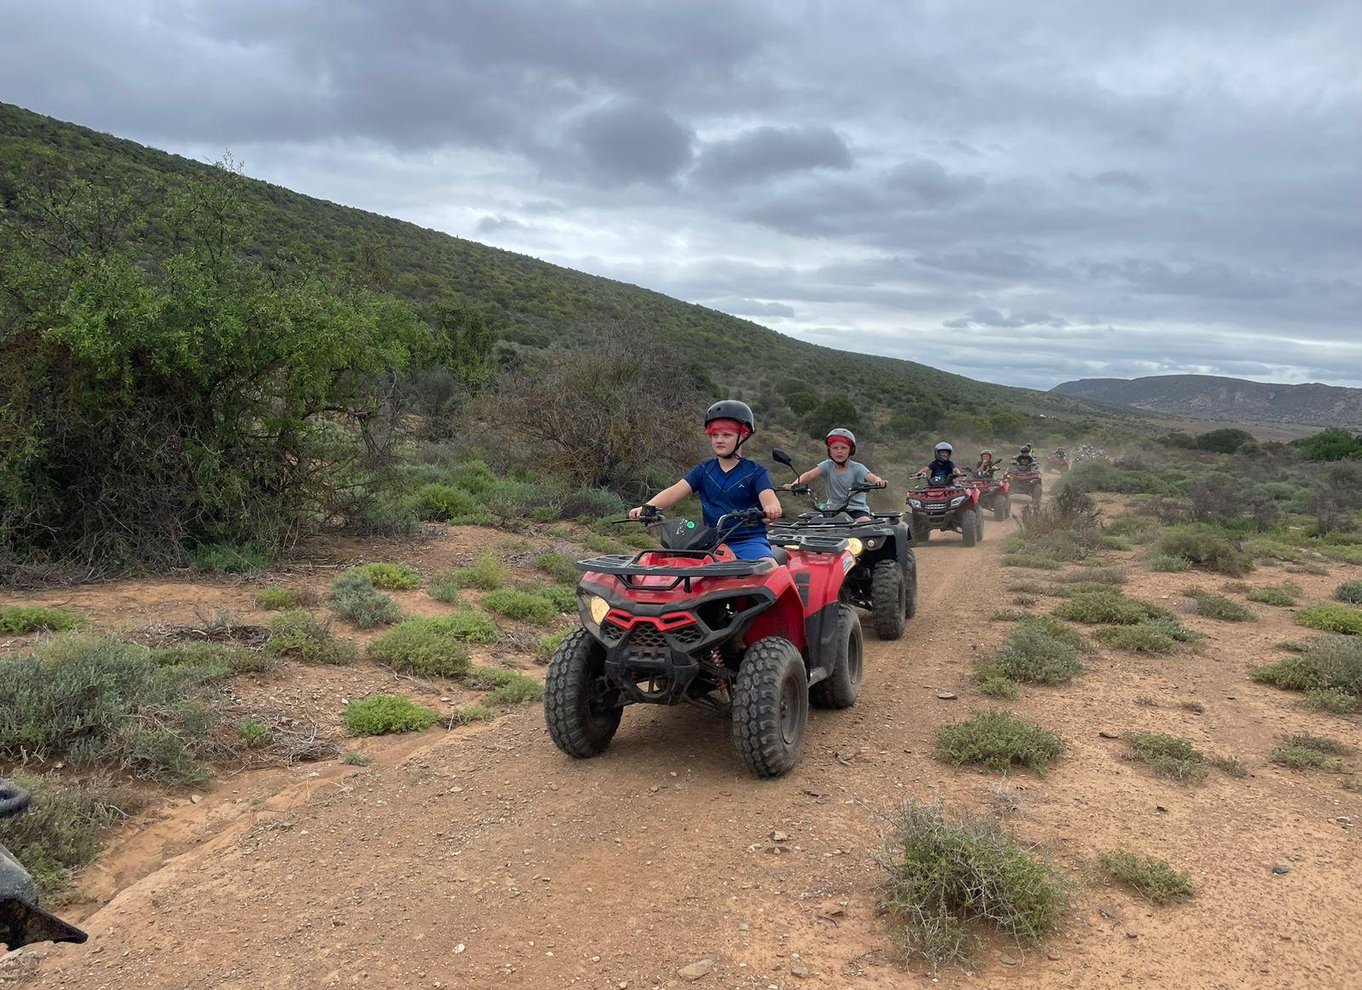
[[846, 436]]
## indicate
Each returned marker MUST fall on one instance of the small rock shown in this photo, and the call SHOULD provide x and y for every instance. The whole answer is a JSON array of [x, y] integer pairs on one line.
[[1160, 809], [459, 948], [696, 970], [800, 972], [947, 695], [195, 798], [778, 837], [743, 926], [1007, 960], [455, 789], [1052, 955], [1109, 735], [1281, 869]]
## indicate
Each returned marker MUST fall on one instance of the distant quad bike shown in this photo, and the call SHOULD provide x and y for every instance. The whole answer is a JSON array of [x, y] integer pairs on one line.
[[759, 640], [994, 495], [22, 921], [1057, 463], [946, 505], [1026, 481], [884, 580]]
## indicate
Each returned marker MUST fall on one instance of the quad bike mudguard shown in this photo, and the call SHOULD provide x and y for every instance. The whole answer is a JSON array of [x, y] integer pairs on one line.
[[22, 921]]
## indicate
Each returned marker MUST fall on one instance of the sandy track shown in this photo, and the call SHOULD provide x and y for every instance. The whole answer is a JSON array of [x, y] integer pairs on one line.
[[618, 871]]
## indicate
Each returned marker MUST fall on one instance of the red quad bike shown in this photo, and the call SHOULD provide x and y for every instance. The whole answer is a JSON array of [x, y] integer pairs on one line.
[[993, 495], [1057, 463], [22, 920], [946, 505], [1026, 481], [759, 640]]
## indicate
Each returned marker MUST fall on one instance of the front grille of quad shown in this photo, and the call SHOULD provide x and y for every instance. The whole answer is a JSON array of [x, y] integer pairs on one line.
[[687, 635], [647, 643], [611, 633], [936, 506]]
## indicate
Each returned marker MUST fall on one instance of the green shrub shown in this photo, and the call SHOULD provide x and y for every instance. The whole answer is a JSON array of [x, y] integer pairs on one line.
[[1004, 615], [64, 827], [558, 567], [1097, 575], [357, 600], [1173, 629], [1109, 607], [591, 503], [1229, 765], [1332, 700], [387, 713], [547, 645], [998, 741], [94, 701], [357, 759], [212, 661], [516, 690], [1141, 638], [563, 599], [996, 685], [521, 606], [943, 876], [1281, 597], [23, 619], [1215, 606], [1032, 562], [1308, 752], [486, 574], [1152, 879], [275, 599], [1169, 756], [436, 647], [1350, 592], [445, 588], [1292, 674], [1040, 650], [446, 503], [1331, 618], [1115, 542], [388, 577], [469, 714], [297, 635], [1168, 563], [254, 734], [1206, 547], [597, 543], [225, 558]]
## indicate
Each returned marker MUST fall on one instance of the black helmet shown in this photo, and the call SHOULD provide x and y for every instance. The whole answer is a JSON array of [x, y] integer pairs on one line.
[[1025, 449], [732, 409], [943, 445], [841, 434]]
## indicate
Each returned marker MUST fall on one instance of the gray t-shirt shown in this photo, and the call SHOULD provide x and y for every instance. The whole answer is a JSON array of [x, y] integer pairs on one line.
[[840, 483]]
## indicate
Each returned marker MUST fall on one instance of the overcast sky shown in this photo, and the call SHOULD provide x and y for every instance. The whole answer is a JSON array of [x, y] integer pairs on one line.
[[1022, 193]]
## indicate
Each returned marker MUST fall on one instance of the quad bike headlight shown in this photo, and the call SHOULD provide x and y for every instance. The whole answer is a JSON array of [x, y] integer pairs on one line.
[[957, 500], [916, 503], [598, 607], [855, 546]]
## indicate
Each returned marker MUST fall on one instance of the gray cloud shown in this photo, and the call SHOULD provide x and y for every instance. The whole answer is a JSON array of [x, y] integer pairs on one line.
[[764, 152], [1071, 189]]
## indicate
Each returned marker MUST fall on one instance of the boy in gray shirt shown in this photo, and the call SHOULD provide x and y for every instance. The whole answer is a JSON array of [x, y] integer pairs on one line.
[[841, 474]]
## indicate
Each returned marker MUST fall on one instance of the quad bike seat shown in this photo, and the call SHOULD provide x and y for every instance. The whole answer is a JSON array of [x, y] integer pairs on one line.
[[781, 554]]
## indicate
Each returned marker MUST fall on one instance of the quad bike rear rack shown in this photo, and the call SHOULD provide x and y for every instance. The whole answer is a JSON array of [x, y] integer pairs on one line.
[[628, 569]]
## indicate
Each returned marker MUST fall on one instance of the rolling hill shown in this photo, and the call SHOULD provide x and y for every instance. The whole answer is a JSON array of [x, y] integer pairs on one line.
[[1230, 400], [533, 303]]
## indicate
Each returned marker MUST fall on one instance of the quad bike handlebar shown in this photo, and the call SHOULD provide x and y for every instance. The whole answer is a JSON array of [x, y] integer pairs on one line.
[[828, 510]]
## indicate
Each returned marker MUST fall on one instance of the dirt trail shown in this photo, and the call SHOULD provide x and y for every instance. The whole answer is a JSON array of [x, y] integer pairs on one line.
[[486, 858]]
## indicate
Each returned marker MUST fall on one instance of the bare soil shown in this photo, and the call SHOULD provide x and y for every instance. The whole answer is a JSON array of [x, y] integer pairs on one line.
[[484, 857]]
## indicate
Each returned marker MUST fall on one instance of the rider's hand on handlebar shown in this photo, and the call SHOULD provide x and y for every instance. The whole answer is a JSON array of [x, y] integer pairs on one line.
[[883, 484], [773, 514], [642, 511]]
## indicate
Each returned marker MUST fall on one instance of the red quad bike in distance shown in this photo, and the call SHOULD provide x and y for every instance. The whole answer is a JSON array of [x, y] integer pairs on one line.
[[1026, 481], [945, 505], [759, 640], [993, 495]]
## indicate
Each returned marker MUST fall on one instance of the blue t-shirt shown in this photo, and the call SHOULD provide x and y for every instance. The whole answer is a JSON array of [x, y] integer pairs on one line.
[[940, 470], [734, 491]]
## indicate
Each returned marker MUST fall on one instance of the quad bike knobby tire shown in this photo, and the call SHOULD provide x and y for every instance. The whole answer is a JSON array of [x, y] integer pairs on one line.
[[910, 606], [969, 527], [581, 709], [888, 600], [770, 706], [979, 526], [847, 665], [1002, 508]]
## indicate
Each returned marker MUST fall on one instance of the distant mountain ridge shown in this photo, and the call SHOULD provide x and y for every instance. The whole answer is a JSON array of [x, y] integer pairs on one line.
[[1211, 397]]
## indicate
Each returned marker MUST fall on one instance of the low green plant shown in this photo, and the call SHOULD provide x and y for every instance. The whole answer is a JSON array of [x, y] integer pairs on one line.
[[383, 714], [998, 741], [1331, 618], [254, 734], [548, 644], [517, 690], [24, 619], [1169, 563], [1142, 638], [597, 543], [353, 759], [1231, 766], [275, 599], [356, 599], [1109, 607], [64, 827], [437, 502], [1039, 650], [1111, 542], [562, 569], [1004, 615], [996, 685], [945, 875], [1032, 562], [521, 606], [389, 577], [563, 598], [487, 573], [227, 558], [297, 635], [209, 661], [1025, 601], [433, 647], [1205, 546], [1309, 752], [1350, 592], [1169, 756], [1152, 879], [1214, 606], [1332, 700], [1279, 596], [1097, 575], [444, 587], [469, 714]]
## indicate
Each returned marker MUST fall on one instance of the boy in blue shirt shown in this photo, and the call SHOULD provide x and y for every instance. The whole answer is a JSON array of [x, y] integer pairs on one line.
[[728, 482], [841, 474]]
